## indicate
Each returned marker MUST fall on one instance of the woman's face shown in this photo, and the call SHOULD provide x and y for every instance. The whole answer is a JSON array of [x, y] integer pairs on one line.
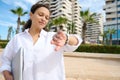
[[40, 18]]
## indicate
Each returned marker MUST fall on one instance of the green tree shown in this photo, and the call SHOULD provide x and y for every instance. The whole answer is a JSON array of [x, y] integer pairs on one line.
[[59, 21], [71, 28], [10, 31], [19, 12], [87, 17], [111, 32], [104, 35], [48, 26], [22, 23]]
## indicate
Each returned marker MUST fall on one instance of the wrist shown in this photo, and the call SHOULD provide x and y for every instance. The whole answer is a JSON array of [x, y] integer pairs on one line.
[[67, 39]]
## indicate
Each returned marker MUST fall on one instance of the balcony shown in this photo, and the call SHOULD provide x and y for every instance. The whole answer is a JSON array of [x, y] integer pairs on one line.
[[112, 9], [109, 5], [113, 15], [111, 22]]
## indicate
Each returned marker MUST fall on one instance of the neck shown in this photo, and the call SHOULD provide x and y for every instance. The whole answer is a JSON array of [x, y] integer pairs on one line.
[[34, 32]]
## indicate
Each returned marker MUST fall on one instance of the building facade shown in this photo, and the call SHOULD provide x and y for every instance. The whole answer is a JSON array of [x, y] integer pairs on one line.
[[112, 10], [69, 9], [94, 30]]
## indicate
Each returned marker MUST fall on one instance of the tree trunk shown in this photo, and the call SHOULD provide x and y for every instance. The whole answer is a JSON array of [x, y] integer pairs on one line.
[[84, 33], [110, 39], [18, 25]]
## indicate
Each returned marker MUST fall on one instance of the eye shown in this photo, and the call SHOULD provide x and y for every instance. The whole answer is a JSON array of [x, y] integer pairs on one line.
[[40, 14], [47, 18]]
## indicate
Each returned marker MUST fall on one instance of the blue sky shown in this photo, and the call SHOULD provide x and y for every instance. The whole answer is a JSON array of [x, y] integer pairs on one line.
[[7, 18]]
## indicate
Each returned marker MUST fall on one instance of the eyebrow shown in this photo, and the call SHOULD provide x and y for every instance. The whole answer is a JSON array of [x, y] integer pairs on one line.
[[43, 13]]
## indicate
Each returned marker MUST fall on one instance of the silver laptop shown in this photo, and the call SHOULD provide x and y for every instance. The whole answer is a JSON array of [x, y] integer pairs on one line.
[[18, 65]]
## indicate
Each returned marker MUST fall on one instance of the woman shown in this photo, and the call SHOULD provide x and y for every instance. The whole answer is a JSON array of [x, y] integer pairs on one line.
[[43, 58]]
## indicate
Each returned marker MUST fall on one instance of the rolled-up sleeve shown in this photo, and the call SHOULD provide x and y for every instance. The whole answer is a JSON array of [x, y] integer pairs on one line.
[[6, 57], [71, 48]]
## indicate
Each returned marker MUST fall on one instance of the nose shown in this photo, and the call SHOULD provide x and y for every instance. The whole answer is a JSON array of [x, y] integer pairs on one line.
[[43, 18]]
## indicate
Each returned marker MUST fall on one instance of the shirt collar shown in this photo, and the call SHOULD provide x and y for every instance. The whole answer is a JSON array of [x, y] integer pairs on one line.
[[42, 33]]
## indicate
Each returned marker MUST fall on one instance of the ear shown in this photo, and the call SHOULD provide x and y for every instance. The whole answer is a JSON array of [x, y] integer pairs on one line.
[[31, 14]]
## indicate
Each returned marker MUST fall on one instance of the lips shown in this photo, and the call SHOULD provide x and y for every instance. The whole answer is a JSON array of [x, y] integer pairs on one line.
[[42, 23]]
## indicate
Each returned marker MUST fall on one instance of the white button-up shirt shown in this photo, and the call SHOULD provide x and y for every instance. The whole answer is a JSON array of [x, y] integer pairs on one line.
[[41, 61]]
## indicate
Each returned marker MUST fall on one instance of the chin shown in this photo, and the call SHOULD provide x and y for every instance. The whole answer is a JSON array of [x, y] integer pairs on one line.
[[41, 28]]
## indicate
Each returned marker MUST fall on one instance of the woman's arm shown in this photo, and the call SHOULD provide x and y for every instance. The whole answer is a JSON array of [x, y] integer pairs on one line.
[[6, 59], [60, 39], [72, 40]]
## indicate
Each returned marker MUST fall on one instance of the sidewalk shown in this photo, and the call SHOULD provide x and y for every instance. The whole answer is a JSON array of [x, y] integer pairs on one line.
[[92, 55], [92, 66], [1, 50]]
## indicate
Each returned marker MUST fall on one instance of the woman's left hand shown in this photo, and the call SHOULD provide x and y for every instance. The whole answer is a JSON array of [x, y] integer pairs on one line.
[[59, 40]]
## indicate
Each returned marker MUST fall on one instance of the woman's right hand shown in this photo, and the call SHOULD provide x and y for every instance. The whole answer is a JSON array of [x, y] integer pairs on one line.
[[7, 75]]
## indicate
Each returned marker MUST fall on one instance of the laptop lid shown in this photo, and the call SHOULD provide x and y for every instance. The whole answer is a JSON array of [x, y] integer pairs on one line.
[[18, 65]]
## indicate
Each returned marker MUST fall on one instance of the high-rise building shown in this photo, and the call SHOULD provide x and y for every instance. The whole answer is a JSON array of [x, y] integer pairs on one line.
[[112, 10], [69, 9], [94, 30]]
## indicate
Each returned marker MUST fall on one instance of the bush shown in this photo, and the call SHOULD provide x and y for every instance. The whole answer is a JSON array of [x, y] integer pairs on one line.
[[3, 43], [4, 40], [98, 48]]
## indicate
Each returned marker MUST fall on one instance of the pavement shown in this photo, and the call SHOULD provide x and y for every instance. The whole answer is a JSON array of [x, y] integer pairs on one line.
[[90, 66]]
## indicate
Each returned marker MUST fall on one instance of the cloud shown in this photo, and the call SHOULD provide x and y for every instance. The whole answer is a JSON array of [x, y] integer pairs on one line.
[[7, 24], [31, 1], [93, 5], [6, 1], [21, 4]]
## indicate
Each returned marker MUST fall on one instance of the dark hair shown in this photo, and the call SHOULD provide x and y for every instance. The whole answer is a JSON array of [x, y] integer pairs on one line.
[[33, 9]]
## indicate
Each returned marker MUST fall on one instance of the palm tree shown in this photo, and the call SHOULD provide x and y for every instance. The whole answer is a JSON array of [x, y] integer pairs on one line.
[[58, 22], [48, 26], [10, 31], [87, 17], [111, 32], [55, 22], [22, 23], [18, 11], [71, 28], [104, 35]]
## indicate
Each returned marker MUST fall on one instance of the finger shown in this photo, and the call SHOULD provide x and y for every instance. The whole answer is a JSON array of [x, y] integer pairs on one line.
[[53, 42], [8, 78], [57, 48], [56, 39], [56, 43], [59, 37], [11, 78], [61, 33]]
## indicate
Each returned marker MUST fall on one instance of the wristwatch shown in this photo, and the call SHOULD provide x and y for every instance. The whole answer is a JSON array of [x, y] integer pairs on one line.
[[67, 40]]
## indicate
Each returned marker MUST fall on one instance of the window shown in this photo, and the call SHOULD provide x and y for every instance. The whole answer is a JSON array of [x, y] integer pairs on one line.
[[64, 7], [118, 18], [118, 12], [113, 18], [60, 10], [118, 6], [108, 13]]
